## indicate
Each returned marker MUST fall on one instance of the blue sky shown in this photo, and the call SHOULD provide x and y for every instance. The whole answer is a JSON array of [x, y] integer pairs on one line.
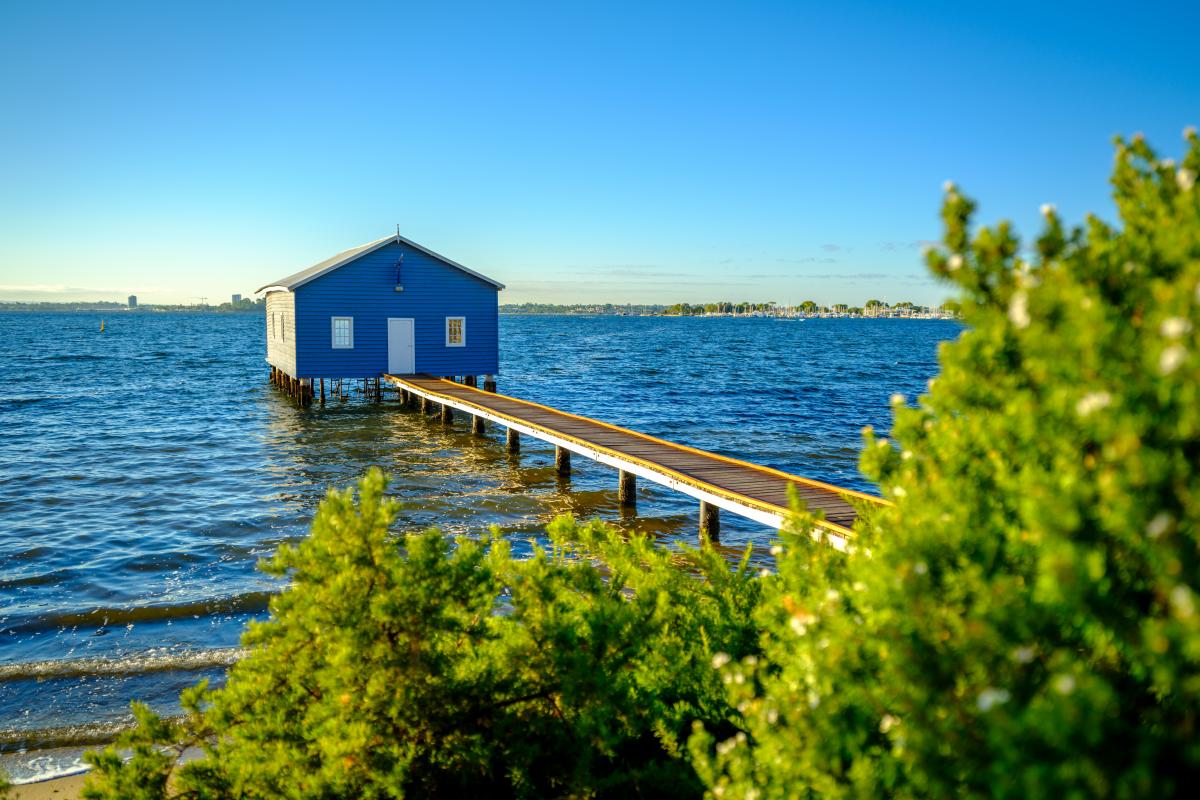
[[648, 152]]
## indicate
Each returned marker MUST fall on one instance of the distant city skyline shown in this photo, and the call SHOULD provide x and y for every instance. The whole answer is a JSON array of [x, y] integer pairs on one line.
[[640, 153]]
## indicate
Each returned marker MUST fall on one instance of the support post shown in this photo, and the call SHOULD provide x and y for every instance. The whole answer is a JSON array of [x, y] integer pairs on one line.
[[322, 392], [512, 441], [447, 415], [562, 460], [378, 390], [627, 489], [710, 522], [489, 384], [477, 426], [470, 380], [425, 404]]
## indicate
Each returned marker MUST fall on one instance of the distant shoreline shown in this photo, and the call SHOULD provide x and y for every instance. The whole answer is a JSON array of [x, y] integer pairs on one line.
[[777, 314], [88, 308]]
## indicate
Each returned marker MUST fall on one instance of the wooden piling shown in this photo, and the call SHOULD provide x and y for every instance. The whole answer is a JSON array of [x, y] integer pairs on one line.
[[489, 383], [378, 390], [477, 425], [447, 415], [562, 460], [512, 441], [470, 380], [710, 522], [322, 392], [626, 489]]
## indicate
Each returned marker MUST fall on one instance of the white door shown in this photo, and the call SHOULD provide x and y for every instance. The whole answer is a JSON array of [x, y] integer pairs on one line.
[[401, 357]]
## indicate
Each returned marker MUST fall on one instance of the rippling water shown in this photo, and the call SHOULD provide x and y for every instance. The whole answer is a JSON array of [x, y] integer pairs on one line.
[[143, 472]]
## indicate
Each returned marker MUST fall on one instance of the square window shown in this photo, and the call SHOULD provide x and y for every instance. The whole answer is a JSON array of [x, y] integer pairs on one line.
[[343, 333], [456, 331]]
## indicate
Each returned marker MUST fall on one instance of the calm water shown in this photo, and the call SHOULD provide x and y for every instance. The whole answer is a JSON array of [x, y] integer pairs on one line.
[[144, 471]]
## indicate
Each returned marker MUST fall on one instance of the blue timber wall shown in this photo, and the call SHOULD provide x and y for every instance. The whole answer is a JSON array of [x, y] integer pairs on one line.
[[365, 289]]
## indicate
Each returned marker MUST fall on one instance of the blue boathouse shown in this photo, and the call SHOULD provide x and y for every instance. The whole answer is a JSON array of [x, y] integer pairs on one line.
[[389, 306]]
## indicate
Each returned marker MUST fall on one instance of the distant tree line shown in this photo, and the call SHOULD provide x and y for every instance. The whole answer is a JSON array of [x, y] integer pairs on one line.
[[808, 307]]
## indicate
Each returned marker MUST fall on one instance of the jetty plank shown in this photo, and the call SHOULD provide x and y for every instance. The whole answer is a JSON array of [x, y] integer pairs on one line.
[[750, 490]]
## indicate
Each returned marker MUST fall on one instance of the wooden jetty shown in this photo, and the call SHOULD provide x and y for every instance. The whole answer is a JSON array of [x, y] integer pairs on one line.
[[718, 482]]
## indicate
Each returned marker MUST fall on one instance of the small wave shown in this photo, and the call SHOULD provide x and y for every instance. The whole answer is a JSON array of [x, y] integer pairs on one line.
[[25, 401], [74, 357], [129, 665], [87, 733], [43, 765], [109, 617]]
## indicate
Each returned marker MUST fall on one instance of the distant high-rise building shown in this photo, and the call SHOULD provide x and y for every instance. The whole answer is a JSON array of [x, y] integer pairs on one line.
[[133, 301], [237, 298]]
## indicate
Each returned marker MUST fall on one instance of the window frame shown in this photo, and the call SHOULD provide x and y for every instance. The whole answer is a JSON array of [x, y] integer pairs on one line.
[[333, 338], [462, 332]]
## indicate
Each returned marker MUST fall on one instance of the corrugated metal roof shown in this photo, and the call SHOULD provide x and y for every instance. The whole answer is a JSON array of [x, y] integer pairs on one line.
[[302, 277]]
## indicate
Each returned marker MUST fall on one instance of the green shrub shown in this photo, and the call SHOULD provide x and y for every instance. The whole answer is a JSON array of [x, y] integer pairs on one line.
[[1022, 623], [430, 666]]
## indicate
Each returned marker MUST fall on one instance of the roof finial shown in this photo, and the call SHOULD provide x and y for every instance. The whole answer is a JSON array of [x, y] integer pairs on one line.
[[397, 231]]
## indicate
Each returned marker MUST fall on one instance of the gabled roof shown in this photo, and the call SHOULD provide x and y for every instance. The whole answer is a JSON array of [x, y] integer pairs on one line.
[[343, 258]]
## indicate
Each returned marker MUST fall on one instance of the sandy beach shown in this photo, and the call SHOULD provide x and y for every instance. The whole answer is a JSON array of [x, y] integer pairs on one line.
[[58, 788]]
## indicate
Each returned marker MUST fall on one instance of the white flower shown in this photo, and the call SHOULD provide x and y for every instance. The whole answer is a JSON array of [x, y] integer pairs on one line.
[[898, 491], [954, 262], [920, 568], [814, 699], [772, 716], [1159, 525], [990, 697], [1181, 602], [776, 550], [1186, 179], [1174, 327], [798, 627], [897, 399], [948, 187], [1167, 163], [1092, 401], [859, 586], [1064, 684], [1023, 655], [719, 660], [1171, 359], [1048, 209], [764, 573], [1018, 310], [906, 455], [887, 723]]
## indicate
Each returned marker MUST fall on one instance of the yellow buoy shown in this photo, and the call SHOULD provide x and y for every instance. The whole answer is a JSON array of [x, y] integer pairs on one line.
[[102, 326]]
